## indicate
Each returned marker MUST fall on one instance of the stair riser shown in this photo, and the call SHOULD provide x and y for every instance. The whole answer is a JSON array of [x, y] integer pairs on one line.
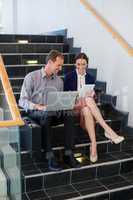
[[31, 38], [32, 48], [124, 194], [40, 59], [21, 71]]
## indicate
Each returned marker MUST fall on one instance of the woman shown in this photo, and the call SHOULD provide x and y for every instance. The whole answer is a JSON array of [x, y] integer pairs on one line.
[[86, 106]]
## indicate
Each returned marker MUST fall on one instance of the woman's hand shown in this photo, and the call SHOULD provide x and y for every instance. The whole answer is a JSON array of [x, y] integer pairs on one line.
[[90, 94]]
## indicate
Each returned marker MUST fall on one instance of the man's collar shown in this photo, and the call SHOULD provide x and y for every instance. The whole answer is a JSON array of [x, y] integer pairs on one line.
[[45, 75], [43, 72]]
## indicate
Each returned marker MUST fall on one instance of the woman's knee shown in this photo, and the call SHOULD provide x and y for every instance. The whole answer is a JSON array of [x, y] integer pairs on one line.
[[90, 102]]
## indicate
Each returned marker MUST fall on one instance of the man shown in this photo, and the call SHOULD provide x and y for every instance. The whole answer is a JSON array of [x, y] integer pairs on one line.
[[33, 99]]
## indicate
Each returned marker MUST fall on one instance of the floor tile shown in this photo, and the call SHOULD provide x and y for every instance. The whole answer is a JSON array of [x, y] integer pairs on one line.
[[122, 195], [127, 144], [113, 147], [128, 177], [57, 179], [119, 155], [119, 185], [24, 197], [35, 195], [43, 167], [104, 157], [86, 185], [34, 183], [83, 175], [92, 190], [31, 172], [62, 192], [126, 167], [31, 166], [129, 152], [65, 196], [108, 170], [99, 197], [30, 169], [114, 182]]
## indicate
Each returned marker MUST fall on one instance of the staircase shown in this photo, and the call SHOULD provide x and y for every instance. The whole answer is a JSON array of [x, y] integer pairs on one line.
[[111, 178]]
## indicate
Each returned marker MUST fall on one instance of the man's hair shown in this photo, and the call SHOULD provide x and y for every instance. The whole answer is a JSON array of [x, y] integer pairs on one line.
[[82, 56], [53, 54]]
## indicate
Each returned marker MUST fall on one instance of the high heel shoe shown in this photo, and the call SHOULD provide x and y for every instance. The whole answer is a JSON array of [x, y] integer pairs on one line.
[[93, 159], [115, 140]]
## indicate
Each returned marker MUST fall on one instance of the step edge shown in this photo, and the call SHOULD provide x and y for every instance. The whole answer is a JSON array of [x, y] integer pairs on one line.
[[32, 43], [81, 168], [103, 192]]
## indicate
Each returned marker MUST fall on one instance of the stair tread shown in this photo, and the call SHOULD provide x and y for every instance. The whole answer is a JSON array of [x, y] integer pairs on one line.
[[34, 54], [39, 168], [80, 190], [32, 43]]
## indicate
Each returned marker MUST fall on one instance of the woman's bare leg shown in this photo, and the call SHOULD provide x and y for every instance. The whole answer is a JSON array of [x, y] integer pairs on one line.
[[90, 126], [97, 115]]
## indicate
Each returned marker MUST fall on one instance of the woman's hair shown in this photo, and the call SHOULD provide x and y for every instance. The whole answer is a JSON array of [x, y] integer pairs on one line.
[[82, 56]]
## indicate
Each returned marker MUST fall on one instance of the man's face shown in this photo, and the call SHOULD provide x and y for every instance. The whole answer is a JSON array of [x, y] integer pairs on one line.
[[56, 66]]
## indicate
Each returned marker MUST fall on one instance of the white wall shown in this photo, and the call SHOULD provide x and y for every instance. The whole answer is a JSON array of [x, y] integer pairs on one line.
[[7, 16], [114, 65]]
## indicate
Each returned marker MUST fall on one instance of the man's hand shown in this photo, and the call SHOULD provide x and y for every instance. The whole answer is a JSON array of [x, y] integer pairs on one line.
[[40, 107]]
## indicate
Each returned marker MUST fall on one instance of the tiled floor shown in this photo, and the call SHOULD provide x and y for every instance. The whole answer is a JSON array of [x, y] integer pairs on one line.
[[41, 166], [83, 183], [108, 175], [82, 188]]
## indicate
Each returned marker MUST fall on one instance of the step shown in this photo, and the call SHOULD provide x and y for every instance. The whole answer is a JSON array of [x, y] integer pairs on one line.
[[22, 59], [14, 48], [10, 38], [102, 189], [22, 70], [115, 161], [88, 181], [71, 193], [82, 144]]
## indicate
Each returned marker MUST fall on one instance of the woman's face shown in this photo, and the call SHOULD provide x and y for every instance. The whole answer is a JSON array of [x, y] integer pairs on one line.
[[81, 65]]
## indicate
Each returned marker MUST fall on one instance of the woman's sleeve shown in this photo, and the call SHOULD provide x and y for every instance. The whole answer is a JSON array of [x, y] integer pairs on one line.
[[66, 84]]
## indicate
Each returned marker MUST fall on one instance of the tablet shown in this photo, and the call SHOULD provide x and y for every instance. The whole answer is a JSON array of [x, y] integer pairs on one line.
[[86, 88]]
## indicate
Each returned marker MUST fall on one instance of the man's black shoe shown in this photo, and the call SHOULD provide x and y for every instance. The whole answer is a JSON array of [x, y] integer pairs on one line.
[[53, 164], [71, 161]]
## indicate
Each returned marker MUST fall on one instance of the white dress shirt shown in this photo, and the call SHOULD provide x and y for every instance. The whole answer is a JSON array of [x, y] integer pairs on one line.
[[80, 80]]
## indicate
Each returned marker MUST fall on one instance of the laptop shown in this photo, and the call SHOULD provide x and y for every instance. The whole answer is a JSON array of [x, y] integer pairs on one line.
[[86, 88], [61, 100]]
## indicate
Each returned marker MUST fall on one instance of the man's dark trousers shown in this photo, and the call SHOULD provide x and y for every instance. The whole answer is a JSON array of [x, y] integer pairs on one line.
[[47, 119]]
